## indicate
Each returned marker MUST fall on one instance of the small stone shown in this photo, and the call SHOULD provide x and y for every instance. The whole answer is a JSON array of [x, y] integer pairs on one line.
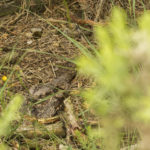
[[63, 147], [36, 32], [28, 35], [29, 42]]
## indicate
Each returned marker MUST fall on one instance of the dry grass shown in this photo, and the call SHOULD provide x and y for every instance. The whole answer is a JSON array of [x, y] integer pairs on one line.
[[101, 9]]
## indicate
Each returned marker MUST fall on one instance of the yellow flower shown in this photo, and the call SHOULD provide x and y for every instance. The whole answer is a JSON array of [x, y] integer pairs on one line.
[[4, 78]]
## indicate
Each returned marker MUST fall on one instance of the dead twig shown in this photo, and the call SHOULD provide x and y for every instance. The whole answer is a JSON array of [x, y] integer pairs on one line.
[[86, 22], [46, 131], [43, 120], [70, 115], [53, 69], [56, 20]]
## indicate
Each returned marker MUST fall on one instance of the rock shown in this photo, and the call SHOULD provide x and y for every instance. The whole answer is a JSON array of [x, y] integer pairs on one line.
[[40, 91], [29, 42], [49, 97], [63, 147], [28, 35], [36, 32]]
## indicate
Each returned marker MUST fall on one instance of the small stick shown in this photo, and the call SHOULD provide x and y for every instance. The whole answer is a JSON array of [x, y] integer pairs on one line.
[[42, 120], [70, 114], [53, 69]]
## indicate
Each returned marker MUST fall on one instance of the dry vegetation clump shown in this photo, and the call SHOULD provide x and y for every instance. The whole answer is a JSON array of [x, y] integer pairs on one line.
[[101, 9]]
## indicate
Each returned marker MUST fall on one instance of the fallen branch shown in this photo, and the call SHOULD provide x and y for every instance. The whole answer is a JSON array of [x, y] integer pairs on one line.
[[43, 120], [70, 115], [86, 22], [45, 131]]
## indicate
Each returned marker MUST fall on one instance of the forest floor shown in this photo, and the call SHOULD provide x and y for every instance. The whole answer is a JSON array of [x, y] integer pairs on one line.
[[37, 54], [38, 65]]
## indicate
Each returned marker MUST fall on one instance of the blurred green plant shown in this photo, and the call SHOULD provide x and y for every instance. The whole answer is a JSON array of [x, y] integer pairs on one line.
[[121, 70], [9, 114]]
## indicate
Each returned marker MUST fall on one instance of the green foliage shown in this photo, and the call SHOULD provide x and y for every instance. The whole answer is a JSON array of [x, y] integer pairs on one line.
[[9, 114], [121, 71]]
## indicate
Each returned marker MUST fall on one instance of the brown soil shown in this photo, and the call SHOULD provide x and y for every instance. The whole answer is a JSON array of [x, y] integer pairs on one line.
[[40, 60]]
